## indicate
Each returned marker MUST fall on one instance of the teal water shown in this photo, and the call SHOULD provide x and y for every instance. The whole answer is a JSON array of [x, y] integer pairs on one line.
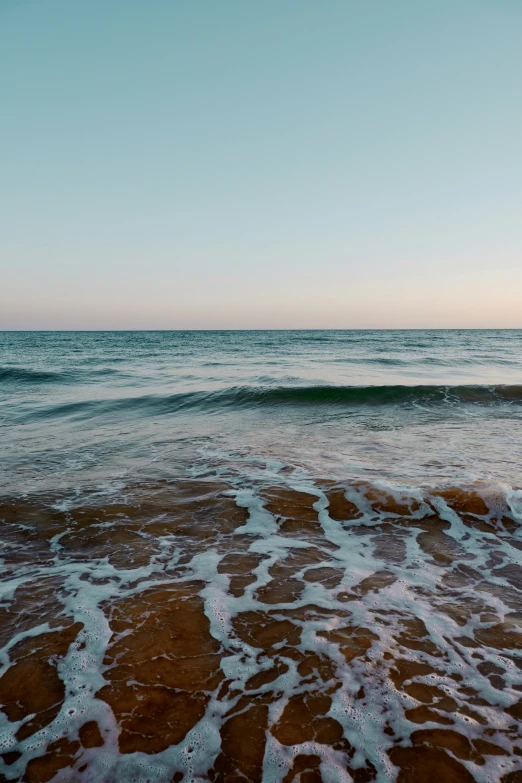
[[228, 554], [91, 408]]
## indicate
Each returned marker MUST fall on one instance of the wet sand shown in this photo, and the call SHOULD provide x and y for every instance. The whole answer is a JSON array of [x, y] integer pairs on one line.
[[309, 631]]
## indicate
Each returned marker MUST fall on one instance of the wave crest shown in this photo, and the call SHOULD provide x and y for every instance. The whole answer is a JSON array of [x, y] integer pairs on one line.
[[277, 396]]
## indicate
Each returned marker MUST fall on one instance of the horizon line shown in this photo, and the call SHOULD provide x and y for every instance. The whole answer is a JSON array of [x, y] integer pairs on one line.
[[281, 329]]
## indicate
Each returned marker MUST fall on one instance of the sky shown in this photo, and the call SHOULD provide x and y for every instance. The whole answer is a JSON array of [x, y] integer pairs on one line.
[[276, 164]]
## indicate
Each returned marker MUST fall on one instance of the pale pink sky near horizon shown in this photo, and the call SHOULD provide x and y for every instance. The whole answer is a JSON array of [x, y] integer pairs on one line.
[[362, 306]]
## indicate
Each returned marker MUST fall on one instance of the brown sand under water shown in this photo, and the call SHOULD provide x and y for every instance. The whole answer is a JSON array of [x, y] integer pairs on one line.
[[195, 632]]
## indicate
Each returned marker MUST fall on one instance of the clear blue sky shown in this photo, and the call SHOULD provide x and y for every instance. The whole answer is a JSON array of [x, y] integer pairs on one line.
[[284, 163]]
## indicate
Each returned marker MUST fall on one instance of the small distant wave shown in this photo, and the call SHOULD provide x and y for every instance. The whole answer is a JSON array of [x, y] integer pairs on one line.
[[420, 361], [24, 375], [277, 396]]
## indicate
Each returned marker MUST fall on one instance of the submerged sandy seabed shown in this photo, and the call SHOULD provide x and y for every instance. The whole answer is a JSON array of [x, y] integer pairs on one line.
[[301, 632]]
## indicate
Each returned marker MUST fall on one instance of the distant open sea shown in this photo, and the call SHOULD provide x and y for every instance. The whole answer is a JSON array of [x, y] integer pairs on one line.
[[261, 555]]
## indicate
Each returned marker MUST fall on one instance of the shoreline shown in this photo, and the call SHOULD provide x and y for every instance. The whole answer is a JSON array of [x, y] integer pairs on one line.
[[314, 629]]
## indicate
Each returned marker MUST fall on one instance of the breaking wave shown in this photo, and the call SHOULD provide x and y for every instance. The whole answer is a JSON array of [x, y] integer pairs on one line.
[[252, 397]]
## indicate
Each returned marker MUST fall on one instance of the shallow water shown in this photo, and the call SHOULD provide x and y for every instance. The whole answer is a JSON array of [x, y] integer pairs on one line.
[[272, 556]]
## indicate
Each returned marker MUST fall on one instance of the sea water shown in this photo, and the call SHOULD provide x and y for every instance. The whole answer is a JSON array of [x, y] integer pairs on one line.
[[261, 555]]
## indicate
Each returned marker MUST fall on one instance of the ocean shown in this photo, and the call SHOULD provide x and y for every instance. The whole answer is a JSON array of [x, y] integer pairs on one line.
[[261, 556]]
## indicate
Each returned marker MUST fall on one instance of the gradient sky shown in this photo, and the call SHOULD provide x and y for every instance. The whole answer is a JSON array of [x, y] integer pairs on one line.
[[237, 164]]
